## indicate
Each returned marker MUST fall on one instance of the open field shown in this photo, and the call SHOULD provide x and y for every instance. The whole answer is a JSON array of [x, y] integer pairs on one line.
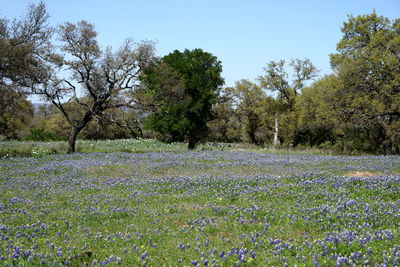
[[215, 208], [38, 149]]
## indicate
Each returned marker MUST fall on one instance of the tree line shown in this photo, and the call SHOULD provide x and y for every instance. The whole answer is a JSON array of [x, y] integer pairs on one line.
[[104, 93]]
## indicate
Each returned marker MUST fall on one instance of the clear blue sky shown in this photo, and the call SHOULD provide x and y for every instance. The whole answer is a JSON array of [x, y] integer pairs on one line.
[[244, 35]]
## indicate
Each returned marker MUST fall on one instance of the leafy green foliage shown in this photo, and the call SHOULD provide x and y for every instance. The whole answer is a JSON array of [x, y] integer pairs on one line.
[[184, 114], [16, 118], [317, 122], [276, 80], [40, 134], [225, 125], [254, 109], [368, 63]]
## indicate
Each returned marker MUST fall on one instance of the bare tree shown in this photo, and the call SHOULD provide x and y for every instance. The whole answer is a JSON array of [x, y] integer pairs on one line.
[[106, 79]]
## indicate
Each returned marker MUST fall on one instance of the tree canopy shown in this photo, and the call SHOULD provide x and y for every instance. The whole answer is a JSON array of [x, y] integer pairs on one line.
[[200, 74], [24, 47], [368, 65], [107, 79]]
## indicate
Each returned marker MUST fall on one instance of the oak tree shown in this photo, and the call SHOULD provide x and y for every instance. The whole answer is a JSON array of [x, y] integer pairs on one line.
[[96, 80], [367, 62]]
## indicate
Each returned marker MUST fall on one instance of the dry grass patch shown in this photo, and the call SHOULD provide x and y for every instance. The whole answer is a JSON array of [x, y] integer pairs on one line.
[[361, 174]]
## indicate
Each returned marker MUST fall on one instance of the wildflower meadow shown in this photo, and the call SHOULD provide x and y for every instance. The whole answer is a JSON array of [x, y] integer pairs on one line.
[[201, 208]]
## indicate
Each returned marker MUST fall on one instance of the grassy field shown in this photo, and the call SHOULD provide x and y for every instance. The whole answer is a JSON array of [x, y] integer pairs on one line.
[[37, 149], [226, 207]]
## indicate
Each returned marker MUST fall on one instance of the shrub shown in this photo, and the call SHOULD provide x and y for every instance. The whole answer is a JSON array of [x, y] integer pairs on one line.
[[40, 134]]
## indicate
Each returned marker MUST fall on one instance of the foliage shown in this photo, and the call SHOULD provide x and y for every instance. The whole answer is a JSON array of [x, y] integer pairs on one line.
[[225, 125], [101, 93], [183, 114], [254, 109], [16, 119], [40, 134], [317, 121], [276, 79], [24, 46], [367, 63]]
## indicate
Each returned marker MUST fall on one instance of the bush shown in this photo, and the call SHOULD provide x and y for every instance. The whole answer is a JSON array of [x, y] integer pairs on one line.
[[40, 134]]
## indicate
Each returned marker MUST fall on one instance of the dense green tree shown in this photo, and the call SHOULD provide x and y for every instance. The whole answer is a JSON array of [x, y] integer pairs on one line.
[[161, 86], [187, 116], [368, 65]]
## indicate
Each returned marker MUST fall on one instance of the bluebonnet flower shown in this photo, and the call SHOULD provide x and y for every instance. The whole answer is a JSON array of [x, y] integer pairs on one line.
[[144, 255]]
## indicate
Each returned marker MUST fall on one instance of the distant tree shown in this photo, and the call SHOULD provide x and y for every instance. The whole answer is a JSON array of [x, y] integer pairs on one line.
[[254, 108], [368, 65], [225, 125], [107, 79], [318, 121], [276, 79], [16, 119], [24, 47], [53, 121], [198, 73]]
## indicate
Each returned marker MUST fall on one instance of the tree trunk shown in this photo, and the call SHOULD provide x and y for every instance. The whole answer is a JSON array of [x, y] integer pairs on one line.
[[252, 128], [276, 133], [395, 148], [72, 139], [252, 136], [191, 143], [76, 129]]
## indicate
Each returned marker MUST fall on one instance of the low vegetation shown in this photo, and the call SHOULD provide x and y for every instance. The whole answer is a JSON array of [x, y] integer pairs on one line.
[[215, 208]]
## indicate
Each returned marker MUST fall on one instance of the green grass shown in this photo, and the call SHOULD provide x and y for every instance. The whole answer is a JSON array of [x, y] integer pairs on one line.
[[283, 207], [39, 149]]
